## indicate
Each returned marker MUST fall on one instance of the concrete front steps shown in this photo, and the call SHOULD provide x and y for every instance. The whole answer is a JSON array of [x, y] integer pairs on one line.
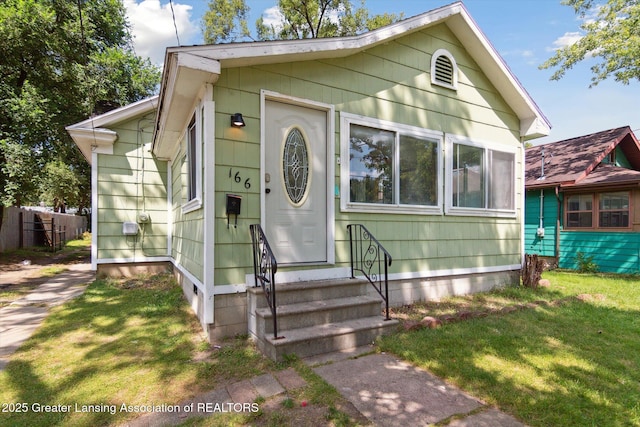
[[317, 317]]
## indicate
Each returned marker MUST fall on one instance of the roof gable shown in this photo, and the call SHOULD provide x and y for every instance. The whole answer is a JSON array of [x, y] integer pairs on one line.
[[206, 62], [93, 135], [578, 161]]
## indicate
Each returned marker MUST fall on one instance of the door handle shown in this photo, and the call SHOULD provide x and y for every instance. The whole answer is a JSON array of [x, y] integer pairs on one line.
[[267, 190]]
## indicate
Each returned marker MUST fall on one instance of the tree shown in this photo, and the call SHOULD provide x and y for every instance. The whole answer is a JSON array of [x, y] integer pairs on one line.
[[60, 59], [321, 18], [613, 37], [59, 185], [298, 19], [220, 21]]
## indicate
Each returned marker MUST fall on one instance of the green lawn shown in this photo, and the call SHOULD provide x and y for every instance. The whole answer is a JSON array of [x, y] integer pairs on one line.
[[571, 358], [134, 342], [137, 342], [574, 360]]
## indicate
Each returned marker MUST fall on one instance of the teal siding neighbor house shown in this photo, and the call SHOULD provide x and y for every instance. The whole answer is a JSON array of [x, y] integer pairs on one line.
[[582, 199], [415, 130]]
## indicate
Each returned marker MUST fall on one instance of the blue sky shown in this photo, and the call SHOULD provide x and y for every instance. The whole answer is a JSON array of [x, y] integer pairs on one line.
[[524, 32]]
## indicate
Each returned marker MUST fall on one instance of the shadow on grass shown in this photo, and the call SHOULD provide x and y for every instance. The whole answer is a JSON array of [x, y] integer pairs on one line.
[[575, 363], [115, 344]]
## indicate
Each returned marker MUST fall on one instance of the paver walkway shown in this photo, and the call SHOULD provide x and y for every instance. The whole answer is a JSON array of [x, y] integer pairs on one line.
[[390, 392], [22, 317]]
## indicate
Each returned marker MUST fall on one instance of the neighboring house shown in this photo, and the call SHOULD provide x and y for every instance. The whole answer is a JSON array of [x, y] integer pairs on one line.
[[583, 198], [415, 130]]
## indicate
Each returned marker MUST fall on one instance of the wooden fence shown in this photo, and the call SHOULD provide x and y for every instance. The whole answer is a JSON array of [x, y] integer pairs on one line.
[[23, 227]]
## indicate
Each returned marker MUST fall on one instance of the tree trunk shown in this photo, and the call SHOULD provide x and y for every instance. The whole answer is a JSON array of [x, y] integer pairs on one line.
[[532, 271]]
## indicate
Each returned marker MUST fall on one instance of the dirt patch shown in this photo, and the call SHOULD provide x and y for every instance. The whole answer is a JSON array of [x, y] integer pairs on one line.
[[20, 273]]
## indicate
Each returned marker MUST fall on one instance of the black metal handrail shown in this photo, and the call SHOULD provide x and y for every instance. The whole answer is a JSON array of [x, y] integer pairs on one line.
[[264, 269], [370, 258]]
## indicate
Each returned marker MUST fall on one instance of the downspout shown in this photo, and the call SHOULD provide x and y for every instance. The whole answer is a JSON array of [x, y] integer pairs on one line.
[[523, 192], [558, 217]]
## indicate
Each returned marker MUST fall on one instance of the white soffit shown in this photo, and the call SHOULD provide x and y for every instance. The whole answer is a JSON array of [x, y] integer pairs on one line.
[[93, 135], [183, 79]]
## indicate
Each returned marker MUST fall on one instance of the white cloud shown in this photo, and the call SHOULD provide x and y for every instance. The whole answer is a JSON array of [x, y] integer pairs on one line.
[[567, 39], [273, 17], [153, 29]]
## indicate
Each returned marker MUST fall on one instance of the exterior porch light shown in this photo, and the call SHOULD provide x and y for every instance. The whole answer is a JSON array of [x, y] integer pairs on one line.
[[237, 121]]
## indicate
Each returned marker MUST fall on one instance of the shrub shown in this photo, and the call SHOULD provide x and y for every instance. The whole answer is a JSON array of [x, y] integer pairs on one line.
[[586, 263]]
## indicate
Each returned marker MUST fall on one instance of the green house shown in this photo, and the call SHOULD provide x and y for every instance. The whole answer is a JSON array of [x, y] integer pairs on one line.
[[582, 201], [415, 130]]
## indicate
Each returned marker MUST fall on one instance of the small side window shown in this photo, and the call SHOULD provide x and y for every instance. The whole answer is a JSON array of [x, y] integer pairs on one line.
[[444, 70]]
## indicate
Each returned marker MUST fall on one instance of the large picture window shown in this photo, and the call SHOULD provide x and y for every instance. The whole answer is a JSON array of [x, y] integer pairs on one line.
[[598, 210], [389, 166], [480, 180]]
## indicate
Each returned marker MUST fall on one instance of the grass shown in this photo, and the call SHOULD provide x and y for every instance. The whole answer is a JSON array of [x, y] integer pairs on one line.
[[571, 358], [137, 342], [574, 359], [129, 342]]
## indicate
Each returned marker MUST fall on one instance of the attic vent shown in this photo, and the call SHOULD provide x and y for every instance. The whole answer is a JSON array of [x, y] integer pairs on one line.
[[444, 71]]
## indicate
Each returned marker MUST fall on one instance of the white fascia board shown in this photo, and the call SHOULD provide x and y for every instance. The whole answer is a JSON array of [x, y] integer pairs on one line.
[[455, 16], [185, 75], [533, 123], [89, 141], [119, 114], [271, 52], [92, 136]]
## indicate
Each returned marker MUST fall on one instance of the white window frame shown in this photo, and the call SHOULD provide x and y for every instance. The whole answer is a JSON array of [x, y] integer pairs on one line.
[[450, 140], [346, 119], [194, 202], [443, 52]]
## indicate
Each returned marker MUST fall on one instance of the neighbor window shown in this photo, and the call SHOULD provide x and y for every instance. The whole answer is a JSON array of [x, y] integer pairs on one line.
[[613, 209], [388, 166], [610, 208], [480, 180], [580, 211]]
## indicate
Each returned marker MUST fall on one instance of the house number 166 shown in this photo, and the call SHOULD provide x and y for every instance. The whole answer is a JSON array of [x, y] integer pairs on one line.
[[238, 179]]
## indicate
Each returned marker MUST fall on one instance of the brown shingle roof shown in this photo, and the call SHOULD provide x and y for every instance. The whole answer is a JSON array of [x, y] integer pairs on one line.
[[577, 161]]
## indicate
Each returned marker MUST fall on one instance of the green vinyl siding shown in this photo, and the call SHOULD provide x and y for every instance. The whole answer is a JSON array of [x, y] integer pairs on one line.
[[611, 252], [621, 159], [436, 243], [131, 181], [388, 82], [546, 245], [188, 228]]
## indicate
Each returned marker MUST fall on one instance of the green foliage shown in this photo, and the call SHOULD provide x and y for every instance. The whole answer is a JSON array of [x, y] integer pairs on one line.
[[225, 21], [321, 18], [59, 60], [612, 36], [586, 263], [59, 185], [20, 168], [220, 21]]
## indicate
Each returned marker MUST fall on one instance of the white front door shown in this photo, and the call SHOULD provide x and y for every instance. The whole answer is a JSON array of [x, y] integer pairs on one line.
[[295, 182]]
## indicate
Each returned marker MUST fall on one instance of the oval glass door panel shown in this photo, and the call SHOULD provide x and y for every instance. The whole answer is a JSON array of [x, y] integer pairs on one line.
[[295, 166]]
